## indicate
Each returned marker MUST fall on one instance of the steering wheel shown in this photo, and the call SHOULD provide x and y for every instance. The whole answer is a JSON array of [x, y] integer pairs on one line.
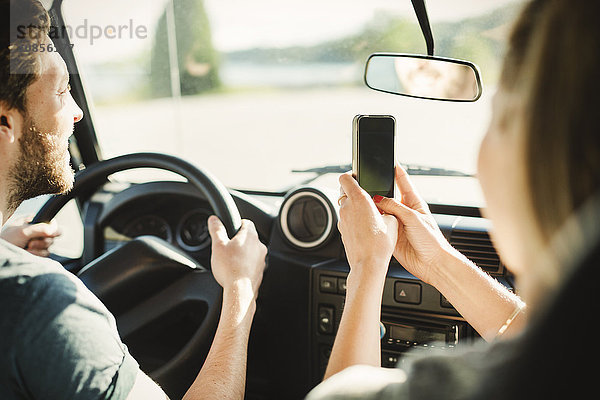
[[153, 288]]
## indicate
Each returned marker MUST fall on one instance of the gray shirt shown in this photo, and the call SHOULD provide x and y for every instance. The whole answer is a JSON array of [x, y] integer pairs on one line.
[[432, 374], [57, 340]]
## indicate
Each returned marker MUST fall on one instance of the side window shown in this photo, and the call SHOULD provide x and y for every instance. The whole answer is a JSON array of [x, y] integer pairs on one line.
[[137, 62], [70, 243]]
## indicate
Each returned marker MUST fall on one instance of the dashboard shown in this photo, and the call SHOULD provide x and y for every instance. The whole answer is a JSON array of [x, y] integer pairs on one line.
[[302, 295], [172, 211], [181, 221]]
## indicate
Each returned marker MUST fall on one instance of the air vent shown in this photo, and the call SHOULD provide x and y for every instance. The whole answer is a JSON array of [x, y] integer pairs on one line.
[[478, 247], [307, 218]]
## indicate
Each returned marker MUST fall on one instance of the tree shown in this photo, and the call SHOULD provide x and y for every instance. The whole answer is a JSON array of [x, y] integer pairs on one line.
[[198, 60]]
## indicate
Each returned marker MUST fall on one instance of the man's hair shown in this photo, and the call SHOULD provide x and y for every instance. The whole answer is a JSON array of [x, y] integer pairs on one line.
[[23, 23]]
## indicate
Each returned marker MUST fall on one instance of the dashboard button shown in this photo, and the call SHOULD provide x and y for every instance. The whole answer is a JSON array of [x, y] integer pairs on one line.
[[328, 284], [407, 293], [341, 285], [326, 320]]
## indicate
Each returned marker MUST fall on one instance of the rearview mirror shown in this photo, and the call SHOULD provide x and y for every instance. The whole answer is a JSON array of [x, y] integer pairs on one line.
[[423, 77]]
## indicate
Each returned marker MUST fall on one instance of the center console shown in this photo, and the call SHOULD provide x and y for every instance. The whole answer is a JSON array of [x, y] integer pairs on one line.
[[414, 316]]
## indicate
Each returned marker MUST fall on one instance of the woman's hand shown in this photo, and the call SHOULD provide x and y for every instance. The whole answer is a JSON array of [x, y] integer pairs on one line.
[[36, 238], [421, 246], [369, 237]]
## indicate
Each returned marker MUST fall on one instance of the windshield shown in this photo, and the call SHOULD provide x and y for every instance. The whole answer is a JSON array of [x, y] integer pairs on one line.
[[255, 90]]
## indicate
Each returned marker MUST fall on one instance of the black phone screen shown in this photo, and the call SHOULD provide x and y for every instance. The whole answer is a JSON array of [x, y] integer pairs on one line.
[[376, 155]]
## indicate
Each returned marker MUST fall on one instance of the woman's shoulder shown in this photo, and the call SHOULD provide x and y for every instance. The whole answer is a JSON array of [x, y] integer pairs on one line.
[[359, 382], [437, 373]]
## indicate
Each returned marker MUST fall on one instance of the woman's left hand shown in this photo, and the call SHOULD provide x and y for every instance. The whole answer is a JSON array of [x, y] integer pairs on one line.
[[369, 237]]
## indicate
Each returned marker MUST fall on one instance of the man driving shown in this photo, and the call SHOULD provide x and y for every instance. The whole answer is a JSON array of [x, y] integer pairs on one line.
[[57, 339]]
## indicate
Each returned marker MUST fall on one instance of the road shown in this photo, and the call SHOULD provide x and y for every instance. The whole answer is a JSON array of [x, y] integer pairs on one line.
[[254, 139]]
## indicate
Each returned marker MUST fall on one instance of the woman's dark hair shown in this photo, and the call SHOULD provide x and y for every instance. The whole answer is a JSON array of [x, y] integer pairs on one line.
[[23, 23]]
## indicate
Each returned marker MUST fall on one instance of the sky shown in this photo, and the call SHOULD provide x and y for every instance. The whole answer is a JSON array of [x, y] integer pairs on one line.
[[242, 24]]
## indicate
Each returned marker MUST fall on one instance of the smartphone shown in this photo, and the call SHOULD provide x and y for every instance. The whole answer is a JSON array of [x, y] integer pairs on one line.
[[373, 143]]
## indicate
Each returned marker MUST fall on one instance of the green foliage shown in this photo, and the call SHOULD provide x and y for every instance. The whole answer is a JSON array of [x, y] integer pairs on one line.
[[197, 58], [479, 39], [394, 35], [479, 50]]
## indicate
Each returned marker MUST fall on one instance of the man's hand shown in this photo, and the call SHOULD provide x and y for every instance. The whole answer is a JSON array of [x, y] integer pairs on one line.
[[239, 261], [237, 265], [36, 238]]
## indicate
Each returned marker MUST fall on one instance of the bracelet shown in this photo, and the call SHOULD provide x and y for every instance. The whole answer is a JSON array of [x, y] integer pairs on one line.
[[510, 319]]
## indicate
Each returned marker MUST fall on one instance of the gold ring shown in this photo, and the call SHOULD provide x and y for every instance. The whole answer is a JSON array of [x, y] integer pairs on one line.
[[341, 198]]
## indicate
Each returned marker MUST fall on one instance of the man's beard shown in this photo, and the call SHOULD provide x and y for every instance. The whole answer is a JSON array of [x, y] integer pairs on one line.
[[42, 167]]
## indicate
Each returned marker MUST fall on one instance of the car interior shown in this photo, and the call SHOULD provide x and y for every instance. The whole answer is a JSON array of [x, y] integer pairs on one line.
[[213, 133]]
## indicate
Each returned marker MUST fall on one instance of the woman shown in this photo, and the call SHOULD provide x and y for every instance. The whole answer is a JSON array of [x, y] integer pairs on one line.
[[539, 167]]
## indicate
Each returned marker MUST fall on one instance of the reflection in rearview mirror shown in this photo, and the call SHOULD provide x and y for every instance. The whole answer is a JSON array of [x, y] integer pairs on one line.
[[424, 77]]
